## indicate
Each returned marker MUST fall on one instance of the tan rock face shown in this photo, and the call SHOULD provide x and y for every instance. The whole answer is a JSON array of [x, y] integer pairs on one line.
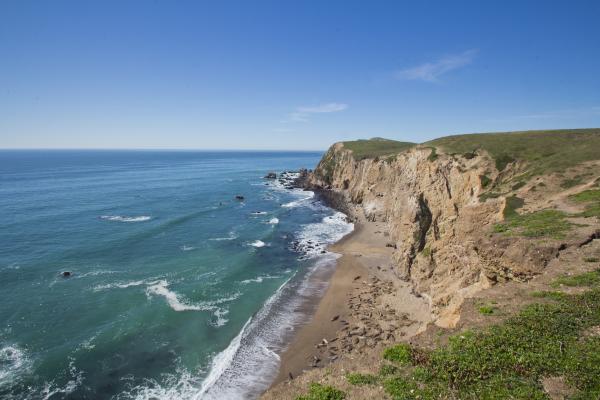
[[441, 230]]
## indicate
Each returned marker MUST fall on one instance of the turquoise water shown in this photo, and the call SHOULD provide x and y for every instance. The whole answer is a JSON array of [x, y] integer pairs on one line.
[[177, 289]]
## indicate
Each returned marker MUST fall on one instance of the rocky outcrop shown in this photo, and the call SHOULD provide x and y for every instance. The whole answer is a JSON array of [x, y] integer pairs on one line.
[[440, 228]]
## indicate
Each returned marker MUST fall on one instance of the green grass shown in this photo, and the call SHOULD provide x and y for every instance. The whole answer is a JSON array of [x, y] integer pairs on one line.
[[376, 147], [508, 361], [591, 259], [486, 310], [513, 203], [544, 151], [322, 392], [587, 279], [586, 196], [592, 198], [361, 379], [545, 223], [548, 294], [400, 353]]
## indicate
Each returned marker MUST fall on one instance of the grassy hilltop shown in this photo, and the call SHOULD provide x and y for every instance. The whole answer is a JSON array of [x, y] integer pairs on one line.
[[546, 151]]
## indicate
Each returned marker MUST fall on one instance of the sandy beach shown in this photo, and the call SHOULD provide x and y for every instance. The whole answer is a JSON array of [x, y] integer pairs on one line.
[[364, 309]]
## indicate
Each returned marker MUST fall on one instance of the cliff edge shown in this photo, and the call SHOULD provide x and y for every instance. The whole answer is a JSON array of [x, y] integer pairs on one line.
[[443, 203]]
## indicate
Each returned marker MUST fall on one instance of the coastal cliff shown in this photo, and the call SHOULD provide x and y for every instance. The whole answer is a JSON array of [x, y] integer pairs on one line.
[[473, 271], [439, 219]]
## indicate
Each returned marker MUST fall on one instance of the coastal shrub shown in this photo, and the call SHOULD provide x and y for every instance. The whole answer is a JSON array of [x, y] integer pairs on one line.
[[586, 279], [591, 259], [322, 392], [401, 353], [361, 379], [426, 251], [544, 223], [489, 195], [548, 294], [400, 388], [512, 204], [433, 155], [508, 361], [470, 155], [518, 185], [583, 365], [387, 369], [486, 310], [485, 180], [570, 182]]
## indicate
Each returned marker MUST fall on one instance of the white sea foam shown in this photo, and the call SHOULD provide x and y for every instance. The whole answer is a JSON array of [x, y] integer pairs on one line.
[[187, 248], [258, 279], [160, 288], [259, 213], [314, 238], [220, 316], [299, 202], [274, 221], [13, 363], [76, 379], [121, 218], [232, 236], [258, 243], [122, 285], [221, 362]]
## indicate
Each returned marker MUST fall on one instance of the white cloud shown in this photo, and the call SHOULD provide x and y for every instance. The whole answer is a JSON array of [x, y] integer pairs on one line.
[[431, 71], [301, 114]]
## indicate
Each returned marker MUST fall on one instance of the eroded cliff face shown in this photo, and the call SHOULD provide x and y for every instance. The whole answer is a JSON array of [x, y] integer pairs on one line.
[[440, 228]]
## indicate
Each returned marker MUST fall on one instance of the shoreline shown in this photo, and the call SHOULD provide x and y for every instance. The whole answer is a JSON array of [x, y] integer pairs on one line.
[[364, 309]]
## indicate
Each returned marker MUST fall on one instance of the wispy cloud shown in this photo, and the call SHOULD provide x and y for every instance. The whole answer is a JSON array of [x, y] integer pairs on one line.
[[302, 114], [432, 71]]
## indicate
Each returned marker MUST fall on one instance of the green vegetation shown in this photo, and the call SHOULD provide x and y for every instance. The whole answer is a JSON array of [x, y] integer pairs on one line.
[[426, 251], [486, 310], [545, 223], [586, 196], [485, 180], [587, 279], [544, 151], [570, 182], [554, 295], [512, 204], [321, 392], [400, 353], [592, 197], [518, 185], [508, 361], [376, 147], [361, 379], [433, 155], [591, 259]]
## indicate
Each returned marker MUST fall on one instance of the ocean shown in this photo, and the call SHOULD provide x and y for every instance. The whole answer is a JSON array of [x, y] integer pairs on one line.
[[177, 290]]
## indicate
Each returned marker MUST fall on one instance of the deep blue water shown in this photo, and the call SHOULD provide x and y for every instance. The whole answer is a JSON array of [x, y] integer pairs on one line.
[[178, 290]]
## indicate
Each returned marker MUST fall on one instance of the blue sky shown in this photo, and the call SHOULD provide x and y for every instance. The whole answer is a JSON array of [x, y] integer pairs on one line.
[[291, 74]]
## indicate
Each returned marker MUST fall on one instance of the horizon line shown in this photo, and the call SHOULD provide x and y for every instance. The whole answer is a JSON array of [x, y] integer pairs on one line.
[[149, 149]]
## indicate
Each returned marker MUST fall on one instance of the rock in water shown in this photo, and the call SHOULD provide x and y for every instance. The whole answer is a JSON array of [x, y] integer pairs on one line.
[[239, 197], [66, 274], [271, 175]]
